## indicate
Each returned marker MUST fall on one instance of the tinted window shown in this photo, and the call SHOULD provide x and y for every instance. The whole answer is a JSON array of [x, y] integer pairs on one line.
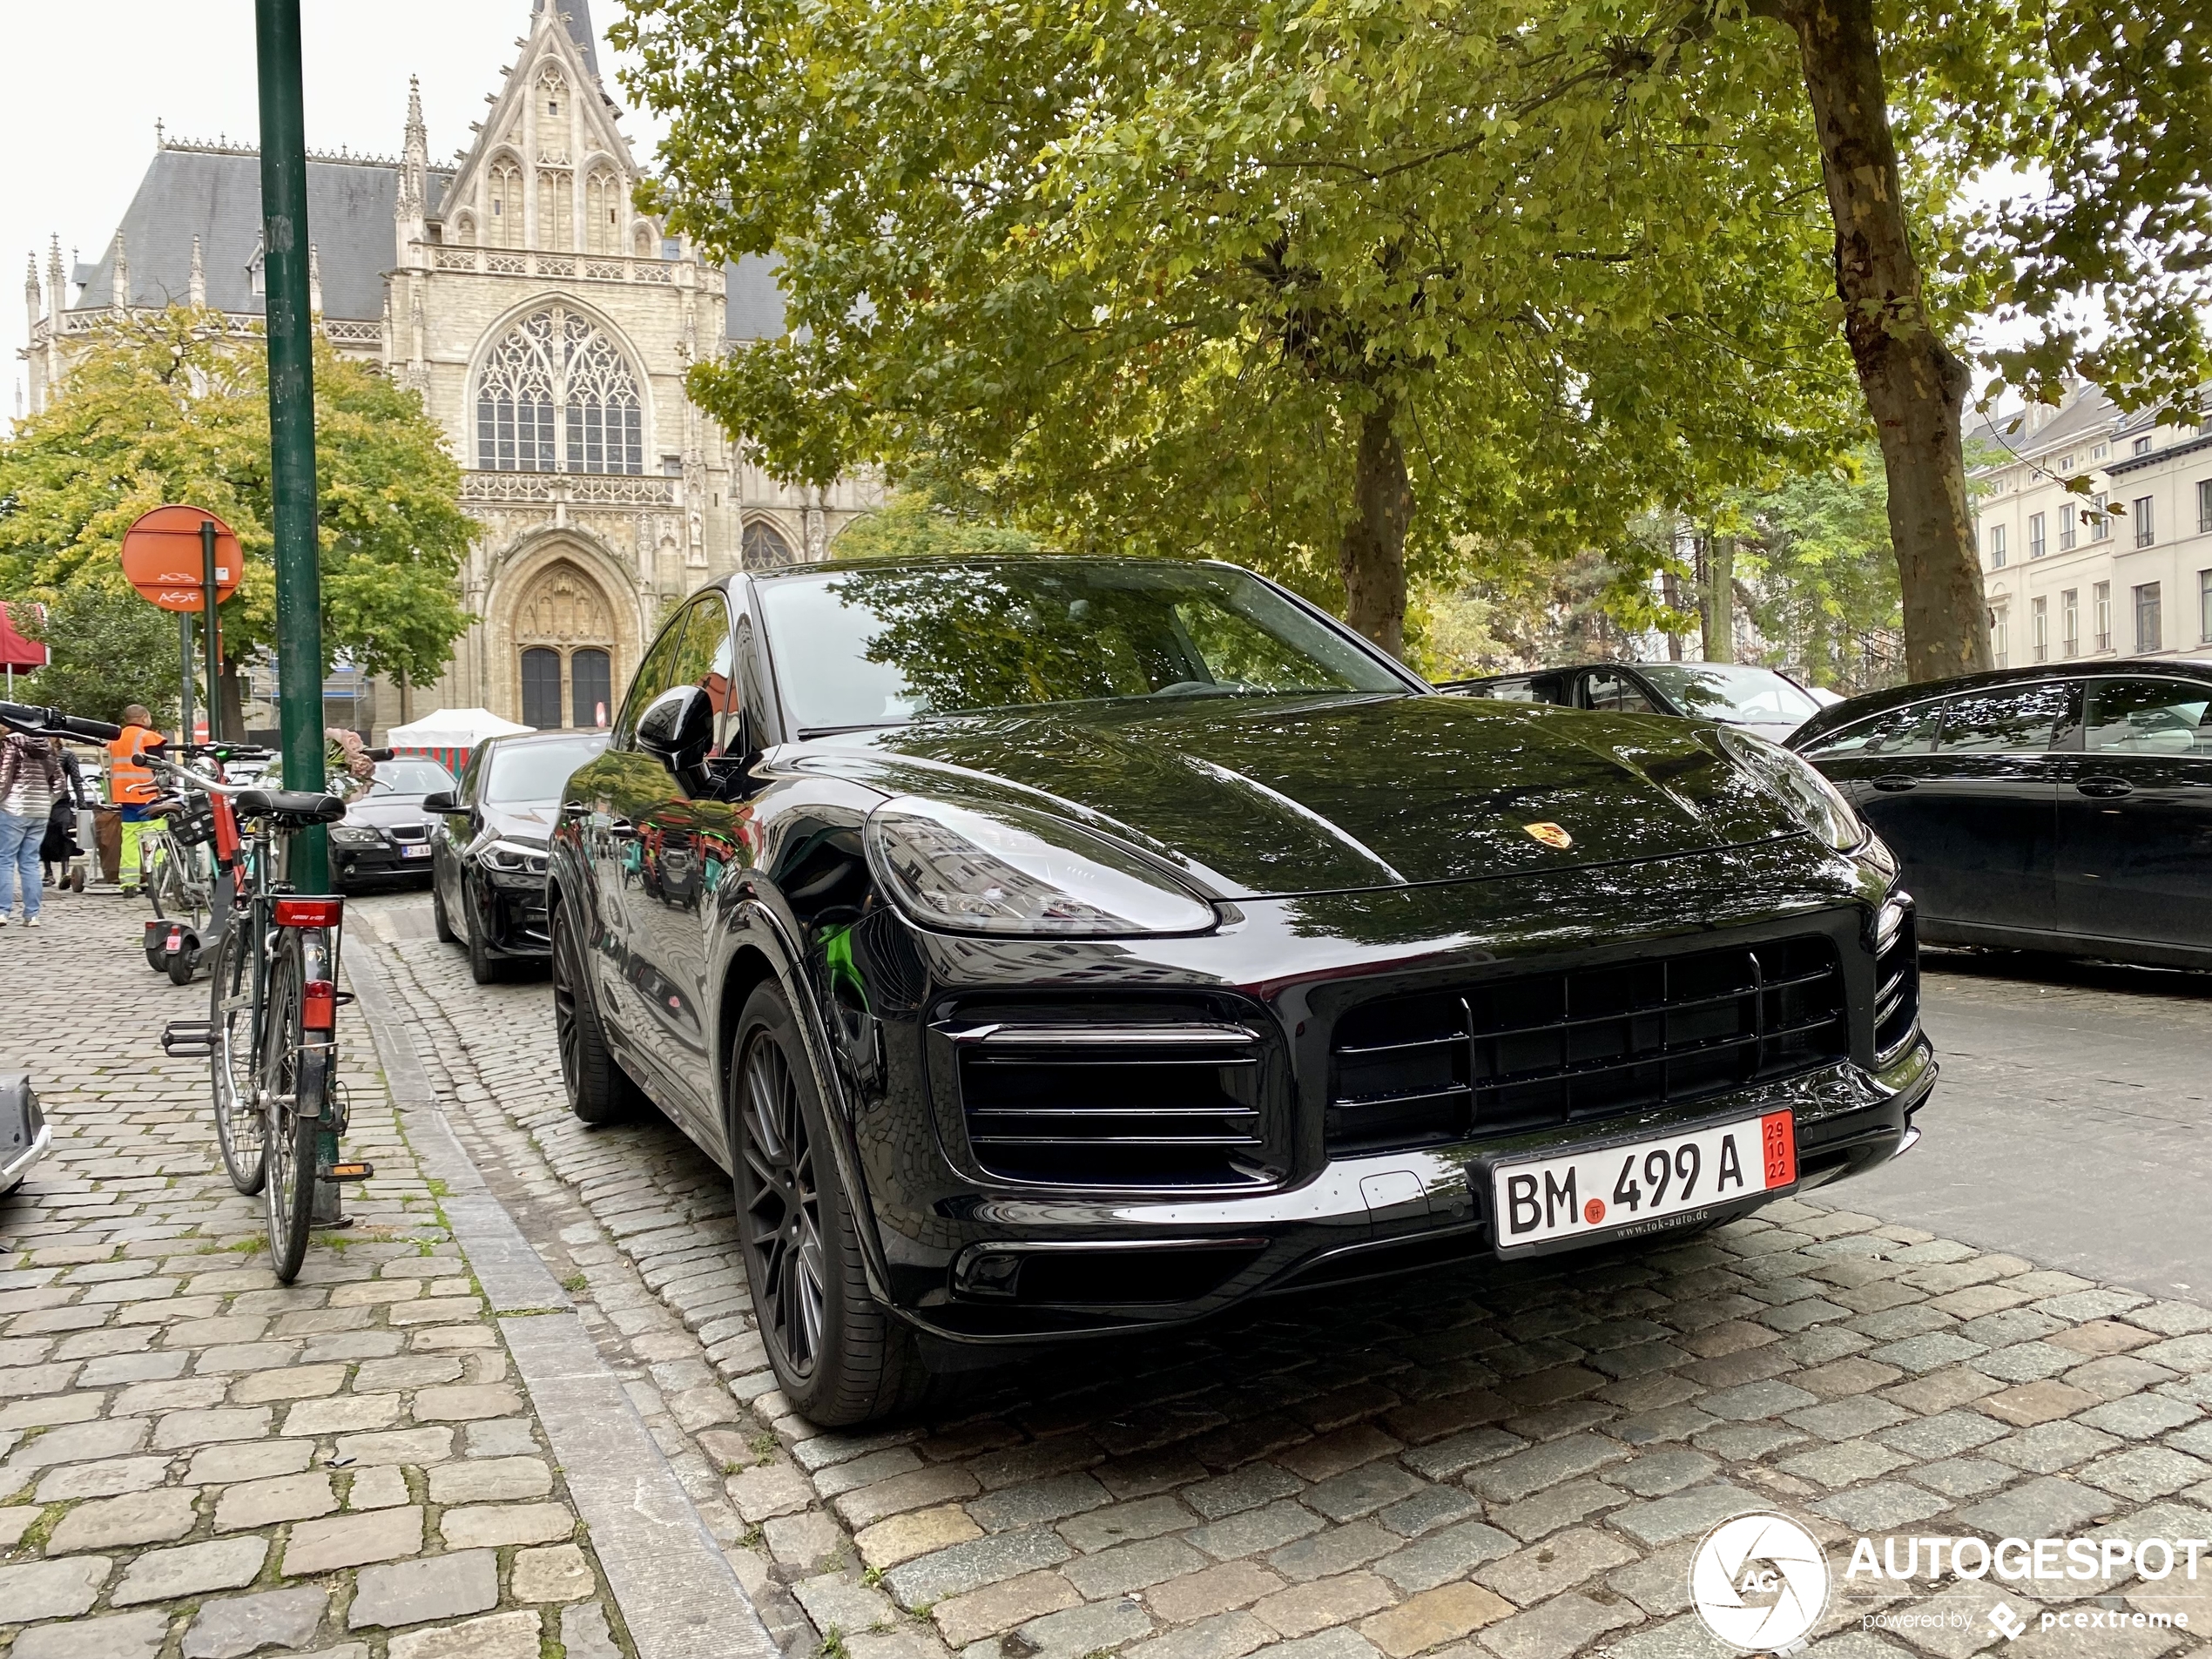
[[2150, 718], [654, 676], [472, 775], [1617, 691], [2016, 720], [1520, 691], [1910, 730], [1732, 692], [531, 771], [866, 648]]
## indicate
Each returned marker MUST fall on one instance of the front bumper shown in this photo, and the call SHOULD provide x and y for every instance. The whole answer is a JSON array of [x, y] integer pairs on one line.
[[511, 910], [368, 863]]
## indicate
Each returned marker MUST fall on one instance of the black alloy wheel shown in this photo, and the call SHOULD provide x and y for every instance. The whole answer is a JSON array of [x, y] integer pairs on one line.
[[484, 967], [839, 1357], [599, 1090]]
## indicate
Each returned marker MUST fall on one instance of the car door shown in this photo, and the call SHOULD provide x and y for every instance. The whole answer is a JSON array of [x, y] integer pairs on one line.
[[2135, 814], [1974, 816]]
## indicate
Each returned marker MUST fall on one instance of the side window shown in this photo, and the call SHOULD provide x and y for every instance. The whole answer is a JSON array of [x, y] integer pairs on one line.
[[472, 775], [1520, 691], [2015, 720], [2150, 718], [1909, 731], [652, 678], [706, 660], [1605, 690]]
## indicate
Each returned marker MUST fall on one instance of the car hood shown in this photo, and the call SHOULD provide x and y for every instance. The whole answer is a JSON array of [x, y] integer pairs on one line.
[[528, 821], [1329, 794], [381, 811]]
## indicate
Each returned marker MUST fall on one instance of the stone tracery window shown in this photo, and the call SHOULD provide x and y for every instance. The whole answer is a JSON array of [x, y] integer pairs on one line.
[[603, 206], [557, 396], [556, 209], [763, 547]]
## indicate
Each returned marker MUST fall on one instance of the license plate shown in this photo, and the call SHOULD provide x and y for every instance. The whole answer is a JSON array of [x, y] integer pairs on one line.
[[1626, 1189], [415, 852]]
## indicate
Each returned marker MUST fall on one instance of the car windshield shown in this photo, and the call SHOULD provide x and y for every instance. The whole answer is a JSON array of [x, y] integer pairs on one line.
[[528, 771], [871, 648], [1731, 691], [410, 777]]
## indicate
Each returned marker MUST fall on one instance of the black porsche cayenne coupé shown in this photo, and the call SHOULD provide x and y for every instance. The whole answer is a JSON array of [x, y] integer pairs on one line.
[[1052, 946]]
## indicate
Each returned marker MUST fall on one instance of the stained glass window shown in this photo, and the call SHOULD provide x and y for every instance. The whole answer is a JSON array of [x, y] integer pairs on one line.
[[556, 395]]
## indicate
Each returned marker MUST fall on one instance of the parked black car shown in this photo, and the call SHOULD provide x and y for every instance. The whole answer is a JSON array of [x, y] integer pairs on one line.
[[2062, 809], [1764, 700], [1061, 946], [488, 854], [386, 831]]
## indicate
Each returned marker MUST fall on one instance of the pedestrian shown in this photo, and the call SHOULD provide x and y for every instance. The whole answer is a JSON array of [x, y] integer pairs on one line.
[[59, 844], [31, 773], [131, 786]]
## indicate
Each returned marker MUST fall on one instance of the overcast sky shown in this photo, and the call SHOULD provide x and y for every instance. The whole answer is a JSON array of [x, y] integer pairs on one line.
[[90, 79]]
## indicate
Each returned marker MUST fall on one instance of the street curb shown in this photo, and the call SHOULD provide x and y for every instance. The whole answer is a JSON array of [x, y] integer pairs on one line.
[[677, 1591]]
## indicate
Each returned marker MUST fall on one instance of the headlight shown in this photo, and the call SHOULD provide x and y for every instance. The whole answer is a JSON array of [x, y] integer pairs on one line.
[[1825, 808], [1014, 871], [353, 835], [512, 857]]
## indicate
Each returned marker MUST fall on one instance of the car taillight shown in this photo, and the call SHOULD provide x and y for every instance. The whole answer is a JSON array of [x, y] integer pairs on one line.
[[309, 912], [319, 1009]]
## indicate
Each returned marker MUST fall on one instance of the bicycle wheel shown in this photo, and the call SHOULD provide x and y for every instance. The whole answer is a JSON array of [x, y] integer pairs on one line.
[[294, 1079], [240, 1127]]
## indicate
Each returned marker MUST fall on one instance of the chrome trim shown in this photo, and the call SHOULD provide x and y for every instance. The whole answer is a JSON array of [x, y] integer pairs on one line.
[[11, 1174]]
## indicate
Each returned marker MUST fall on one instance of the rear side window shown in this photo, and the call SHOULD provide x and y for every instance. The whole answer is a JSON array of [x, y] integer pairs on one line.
[[1615, 691], [2150, 718], [1522, 689], [1908, 731], [2017, 720]]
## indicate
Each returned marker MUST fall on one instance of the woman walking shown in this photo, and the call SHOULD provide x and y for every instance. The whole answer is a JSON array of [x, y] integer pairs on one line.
[[30, 773]]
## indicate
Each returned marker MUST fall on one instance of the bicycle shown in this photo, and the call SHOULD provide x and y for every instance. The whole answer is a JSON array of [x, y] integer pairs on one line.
[[182, 875], [271, 1035]]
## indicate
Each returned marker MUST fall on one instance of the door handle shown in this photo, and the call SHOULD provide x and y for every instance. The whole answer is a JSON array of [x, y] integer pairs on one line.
[[2105, 788], [1896, 783]]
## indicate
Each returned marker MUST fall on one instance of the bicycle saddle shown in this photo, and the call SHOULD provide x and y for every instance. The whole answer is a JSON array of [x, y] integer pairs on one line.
[[297, 807]]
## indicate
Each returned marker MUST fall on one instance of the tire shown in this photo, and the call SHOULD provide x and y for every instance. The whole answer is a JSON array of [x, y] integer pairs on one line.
[[839, 1357], [180, 967], [599, 1089], [291, 1069], [483, 968], [439, 919], [158, 961], [233, 1068]]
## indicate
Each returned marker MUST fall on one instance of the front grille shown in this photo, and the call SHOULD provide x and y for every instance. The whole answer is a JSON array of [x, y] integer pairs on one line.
[[409, 832], [1542, 1049], [1897, 980], [1125, 1104]]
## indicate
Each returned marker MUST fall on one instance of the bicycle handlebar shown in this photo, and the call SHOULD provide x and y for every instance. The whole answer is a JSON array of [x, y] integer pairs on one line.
[[53, 722], [166, 767]]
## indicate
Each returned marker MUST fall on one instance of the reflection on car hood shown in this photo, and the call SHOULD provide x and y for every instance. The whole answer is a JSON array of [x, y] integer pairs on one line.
[[527, 821], [1323, 794], [381, 811]]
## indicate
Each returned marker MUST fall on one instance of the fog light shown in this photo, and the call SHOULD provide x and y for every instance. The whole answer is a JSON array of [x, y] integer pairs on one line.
[[990, 1274]]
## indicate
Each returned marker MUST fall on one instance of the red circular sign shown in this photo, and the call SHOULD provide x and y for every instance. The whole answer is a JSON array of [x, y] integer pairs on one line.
[[1594, 1211], [162, 557]]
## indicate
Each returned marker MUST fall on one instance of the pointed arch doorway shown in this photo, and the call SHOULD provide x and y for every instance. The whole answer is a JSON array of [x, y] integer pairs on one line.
[[565, 643]]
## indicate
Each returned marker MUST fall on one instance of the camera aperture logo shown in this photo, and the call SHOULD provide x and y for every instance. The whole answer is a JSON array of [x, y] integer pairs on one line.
[[1759, 1581]]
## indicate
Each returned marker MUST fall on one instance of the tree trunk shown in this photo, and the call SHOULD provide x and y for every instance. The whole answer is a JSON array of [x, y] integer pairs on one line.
[[1915, 386], [1718, 602], [1670, 594], [1372, 557]]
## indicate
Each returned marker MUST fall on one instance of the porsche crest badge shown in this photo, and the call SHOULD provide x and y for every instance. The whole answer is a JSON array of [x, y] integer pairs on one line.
[[1550, 835]]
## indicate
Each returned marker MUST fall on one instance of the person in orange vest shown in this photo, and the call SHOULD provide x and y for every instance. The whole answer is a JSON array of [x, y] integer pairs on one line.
[[131, 786]]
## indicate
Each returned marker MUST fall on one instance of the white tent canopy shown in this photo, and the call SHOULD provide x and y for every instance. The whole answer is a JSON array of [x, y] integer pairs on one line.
[[451, 729]]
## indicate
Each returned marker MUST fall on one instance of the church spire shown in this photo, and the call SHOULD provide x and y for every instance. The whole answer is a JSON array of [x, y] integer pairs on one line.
[[30, 291], [57, 289], [199, 290], [410, 213]]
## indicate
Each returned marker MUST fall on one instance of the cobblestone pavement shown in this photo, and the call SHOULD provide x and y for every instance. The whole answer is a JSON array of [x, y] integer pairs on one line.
[[197, 1462], [1476, 1464]]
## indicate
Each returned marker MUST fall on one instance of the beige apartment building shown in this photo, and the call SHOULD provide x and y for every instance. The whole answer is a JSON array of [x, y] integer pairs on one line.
[[2124, 571]]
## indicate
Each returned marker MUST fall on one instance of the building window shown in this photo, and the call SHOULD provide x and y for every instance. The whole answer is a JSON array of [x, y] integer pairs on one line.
[[2142, 446], [2204, 507], [2097, 454], [2101, 601], [2069, 518], [503, 206], [602, 205], [590, 689], [2146, 619], [2204, 605], [2000, 628], [2038, 615], [763, 547], [556, 210], [1997, 547], [2100, 520], [2143, 537], [556, 395], [2070, 622], [2035, 547], [541, 688]]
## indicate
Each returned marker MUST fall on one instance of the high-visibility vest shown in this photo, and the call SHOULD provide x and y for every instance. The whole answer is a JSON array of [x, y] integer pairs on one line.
[[131, 784]]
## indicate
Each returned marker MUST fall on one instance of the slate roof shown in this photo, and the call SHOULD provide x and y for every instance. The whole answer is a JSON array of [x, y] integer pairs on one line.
[[215, 194]]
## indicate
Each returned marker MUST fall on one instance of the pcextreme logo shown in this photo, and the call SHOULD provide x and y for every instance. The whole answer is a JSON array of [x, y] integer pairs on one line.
[[1759, 1581]]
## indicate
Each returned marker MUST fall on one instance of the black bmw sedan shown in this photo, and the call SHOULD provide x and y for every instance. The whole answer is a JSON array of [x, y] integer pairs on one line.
[[1052, 946], [488, 853], [2059, 809], [386, 831]]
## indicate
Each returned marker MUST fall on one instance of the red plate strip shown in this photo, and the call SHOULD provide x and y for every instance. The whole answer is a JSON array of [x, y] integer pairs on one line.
[[1778, 1139]]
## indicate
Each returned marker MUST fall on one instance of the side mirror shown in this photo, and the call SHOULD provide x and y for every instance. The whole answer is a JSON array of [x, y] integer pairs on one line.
[[442, 801], [676, 727]]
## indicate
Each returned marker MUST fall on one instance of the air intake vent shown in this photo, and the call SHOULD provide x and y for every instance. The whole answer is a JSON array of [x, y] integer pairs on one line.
[[1140, 1104], [1548, 1048], [1897, 976]]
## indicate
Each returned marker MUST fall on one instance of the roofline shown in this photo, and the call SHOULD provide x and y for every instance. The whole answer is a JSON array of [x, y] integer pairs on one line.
[[1857, 708]]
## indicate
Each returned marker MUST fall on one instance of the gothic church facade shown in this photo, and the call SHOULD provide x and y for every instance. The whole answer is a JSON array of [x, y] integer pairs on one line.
[[548, 325]]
